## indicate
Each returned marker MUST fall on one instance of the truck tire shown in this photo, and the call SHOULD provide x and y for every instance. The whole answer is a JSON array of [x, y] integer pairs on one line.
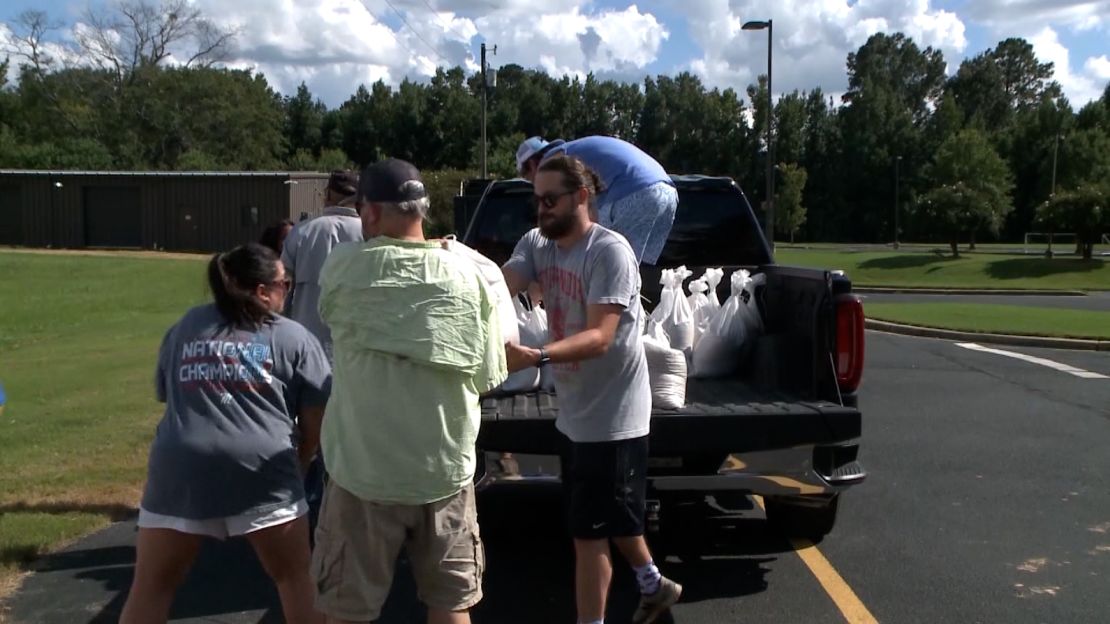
[[795, 520]]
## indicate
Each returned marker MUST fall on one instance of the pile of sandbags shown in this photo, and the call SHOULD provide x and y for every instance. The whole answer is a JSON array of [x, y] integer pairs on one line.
[[731, 330], [695, 335]]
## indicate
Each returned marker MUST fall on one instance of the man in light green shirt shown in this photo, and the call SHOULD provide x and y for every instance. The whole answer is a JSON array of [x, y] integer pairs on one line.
[[417, 340]]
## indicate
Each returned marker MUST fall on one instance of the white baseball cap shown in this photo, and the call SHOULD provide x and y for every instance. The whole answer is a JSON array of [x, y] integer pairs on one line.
[[529, 148]]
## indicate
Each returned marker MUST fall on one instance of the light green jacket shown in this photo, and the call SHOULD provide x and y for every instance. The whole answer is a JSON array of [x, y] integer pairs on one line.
[[417, 340]]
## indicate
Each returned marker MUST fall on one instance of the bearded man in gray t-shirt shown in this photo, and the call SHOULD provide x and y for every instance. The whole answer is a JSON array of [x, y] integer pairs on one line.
[[591, 291]]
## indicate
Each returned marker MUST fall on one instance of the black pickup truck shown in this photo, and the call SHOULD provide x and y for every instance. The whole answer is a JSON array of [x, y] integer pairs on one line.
[[786, 427]]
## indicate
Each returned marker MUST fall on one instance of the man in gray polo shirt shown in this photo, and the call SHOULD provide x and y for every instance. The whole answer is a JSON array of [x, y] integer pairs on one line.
[[310, 243], [306, 248]]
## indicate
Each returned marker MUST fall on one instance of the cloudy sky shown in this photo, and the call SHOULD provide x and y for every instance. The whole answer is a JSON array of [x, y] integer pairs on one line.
[[333, 45]]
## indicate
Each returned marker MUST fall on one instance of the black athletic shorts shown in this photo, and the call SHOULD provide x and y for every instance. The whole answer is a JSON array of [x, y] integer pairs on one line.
[[606, 483]]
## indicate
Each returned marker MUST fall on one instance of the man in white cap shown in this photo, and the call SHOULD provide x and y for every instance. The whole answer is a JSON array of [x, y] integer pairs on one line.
[[639, 198]]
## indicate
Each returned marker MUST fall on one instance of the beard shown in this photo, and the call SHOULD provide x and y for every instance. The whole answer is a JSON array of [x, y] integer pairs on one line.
[[556, 226]]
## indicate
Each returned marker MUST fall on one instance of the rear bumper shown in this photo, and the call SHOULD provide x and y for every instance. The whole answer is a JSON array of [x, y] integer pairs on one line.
[[728, 441], [792, 472]]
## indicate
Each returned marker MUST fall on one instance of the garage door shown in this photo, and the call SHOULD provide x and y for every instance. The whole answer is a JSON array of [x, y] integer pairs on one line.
[[113, 217], [11, 216]]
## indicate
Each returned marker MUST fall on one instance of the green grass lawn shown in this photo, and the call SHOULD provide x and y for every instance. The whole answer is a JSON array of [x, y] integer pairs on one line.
[[999, 319], [78, 341], [933, 270]]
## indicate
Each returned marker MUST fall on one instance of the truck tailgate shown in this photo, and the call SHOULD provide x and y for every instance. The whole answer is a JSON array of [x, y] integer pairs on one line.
[[720, 416]]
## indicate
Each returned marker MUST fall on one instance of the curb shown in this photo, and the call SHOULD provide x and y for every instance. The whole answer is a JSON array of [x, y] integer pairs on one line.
[[897, 290], [1002, 339]]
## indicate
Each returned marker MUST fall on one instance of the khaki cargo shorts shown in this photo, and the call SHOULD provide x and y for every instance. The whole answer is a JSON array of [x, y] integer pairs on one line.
[[358, 542]]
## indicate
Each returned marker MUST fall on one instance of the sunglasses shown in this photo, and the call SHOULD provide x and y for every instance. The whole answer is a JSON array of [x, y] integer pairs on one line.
[[284, 282], [550, 200]]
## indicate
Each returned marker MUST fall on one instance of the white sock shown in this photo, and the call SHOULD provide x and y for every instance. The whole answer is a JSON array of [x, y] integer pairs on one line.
[[594, 622], [648, 577]]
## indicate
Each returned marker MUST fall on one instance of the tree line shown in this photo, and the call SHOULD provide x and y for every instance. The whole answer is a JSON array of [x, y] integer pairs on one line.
[[995, 150]]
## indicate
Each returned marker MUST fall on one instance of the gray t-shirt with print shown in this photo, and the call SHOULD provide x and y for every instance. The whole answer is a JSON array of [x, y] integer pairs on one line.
[[226, 445], [606, 398]]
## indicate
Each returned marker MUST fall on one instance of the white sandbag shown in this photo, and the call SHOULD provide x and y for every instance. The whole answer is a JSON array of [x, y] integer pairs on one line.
[[700, 309], [721, 347], [713, 279], [680, 324], [749, 309], [666, 371], [533, 333], [655, 331], [495, 279], [536, 331], [673, 313], [666, 297], [533, 325]]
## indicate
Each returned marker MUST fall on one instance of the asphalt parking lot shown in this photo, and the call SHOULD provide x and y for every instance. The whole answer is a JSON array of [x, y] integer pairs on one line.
[[988, 500]]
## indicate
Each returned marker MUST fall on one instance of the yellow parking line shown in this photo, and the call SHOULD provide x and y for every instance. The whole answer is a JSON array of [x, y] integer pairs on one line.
[[851, 607]]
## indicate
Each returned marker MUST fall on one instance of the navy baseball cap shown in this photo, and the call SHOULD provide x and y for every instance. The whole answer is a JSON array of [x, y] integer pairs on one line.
[[391, 181]]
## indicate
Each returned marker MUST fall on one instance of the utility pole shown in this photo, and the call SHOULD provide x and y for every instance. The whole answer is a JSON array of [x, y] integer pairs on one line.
[[485, 89]]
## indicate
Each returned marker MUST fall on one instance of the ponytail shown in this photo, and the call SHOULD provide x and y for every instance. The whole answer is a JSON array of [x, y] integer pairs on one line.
[[576, 175], [233, 277]]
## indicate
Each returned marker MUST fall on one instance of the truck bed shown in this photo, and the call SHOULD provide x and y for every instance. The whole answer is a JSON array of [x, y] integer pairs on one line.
[[727, 415]]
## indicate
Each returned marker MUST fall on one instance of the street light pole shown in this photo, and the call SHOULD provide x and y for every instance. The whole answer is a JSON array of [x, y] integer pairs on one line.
[[769, 226], [897, 162]]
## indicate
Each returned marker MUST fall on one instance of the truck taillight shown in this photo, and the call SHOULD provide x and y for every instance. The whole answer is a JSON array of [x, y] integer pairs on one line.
[[849, 342]]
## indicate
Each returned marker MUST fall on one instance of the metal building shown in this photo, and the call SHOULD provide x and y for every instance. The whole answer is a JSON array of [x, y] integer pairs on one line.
[[178, 211]]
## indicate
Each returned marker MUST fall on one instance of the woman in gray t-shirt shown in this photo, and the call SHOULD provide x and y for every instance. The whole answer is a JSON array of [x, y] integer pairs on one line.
[[245, 390]]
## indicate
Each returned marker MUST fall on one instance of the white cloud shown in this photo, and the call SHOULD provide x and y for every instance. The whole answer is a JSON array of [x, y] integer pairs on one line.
[[1040, 23], [334, 45], [1099, 67], [575, 42], [1006, 17], [1080, 88], [812, 42]]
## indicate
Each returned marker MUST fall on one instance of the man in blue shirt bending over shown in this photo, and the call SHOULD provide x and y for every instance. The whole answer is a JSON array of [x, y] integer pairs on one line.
[[639, 198]]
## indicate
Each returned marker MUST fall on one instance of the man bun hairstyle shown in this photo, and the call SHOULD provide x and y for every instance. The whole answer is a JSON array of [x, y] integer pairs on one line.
[[576, 174]]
